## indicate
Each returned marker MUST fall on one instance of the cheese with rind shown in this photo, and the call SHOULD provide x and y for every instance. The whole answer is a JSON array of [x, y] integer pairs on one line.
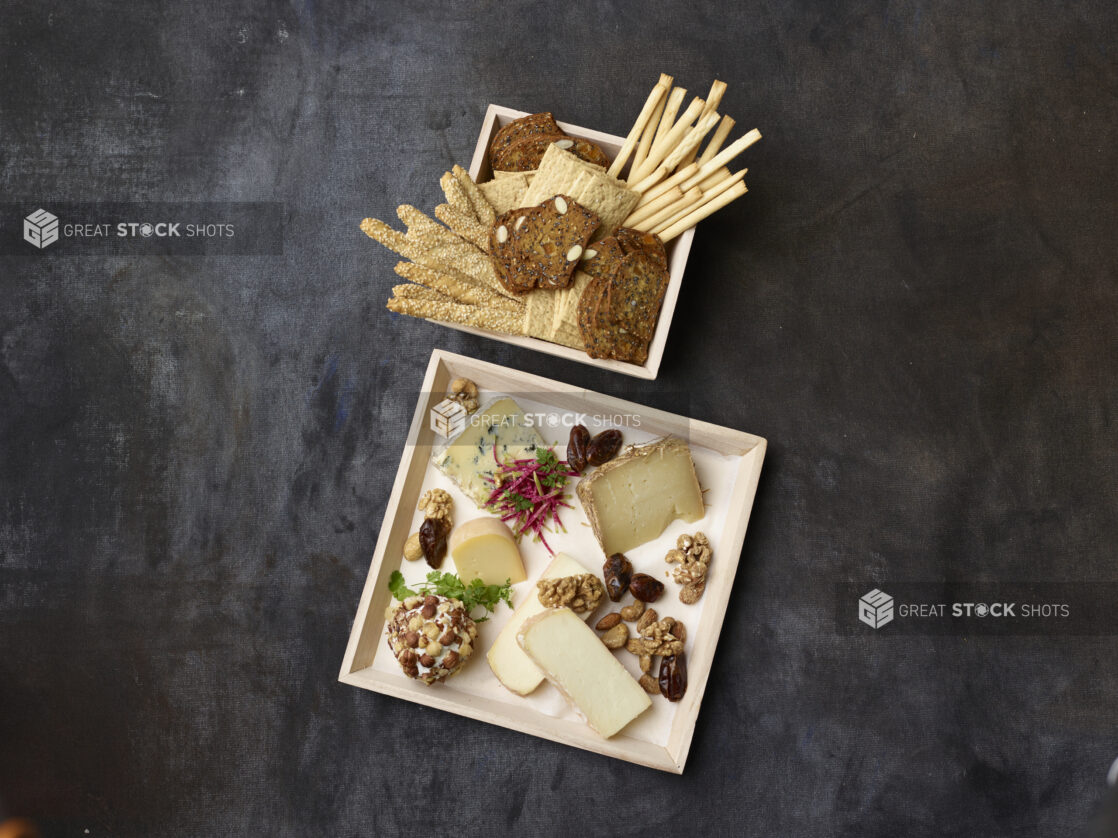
[[634, 497], [513, 668], [486, 549], [576, 662]]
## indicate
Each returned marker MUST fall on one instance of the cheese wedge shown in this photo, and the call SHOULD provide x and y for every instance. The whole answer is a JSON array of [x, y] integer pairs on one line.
[[468, 459], [578, 664], [486, 549], [508, 661], [631, 499]]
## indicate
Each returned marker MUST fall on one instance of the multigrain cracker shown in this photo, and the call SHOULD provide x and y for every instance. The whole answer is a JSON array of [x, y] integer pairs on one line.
[[541, 246]]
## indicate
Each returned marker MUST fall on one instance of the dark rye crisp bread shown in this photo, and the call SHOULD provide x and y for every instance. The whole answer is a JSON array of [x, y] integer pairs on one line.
[[535, 250], [618, 311], [525, 155], [608, 254], [519, 129]]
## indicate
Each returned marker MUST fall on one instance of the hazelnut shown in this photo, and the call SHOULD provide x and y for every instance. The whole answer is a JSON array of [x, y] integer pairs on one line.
[[451, 660], [427, 660], [412, 639], [428, 611], [447, 637]]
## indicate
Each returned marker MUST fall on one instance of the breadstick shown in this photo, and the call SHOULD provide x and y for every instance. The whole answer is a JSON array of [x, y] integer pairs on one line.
[[714, 99], [482, 208], [675, 100], [463, 225], [394, 240], [456, 195], [649, 134], [689, 143], [461, 288], [720, 135], [669, 141], [716, 177], [708, 195], [637, 216], [723, 157], [494, 320], [691, 199], [421, 292], [657, 93], [686, 223], [659, 189]]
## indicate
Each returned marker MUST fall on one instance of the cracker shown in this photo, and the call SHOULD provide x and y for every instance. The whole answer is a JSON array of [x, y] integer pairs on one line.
[[504, 194], [608, 198], [537, 313], [557, 172]]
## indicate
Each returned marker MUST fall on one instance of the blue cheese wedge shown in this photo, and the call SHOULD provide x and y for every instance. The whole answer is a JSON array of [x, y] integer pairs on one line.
[[500, 430]]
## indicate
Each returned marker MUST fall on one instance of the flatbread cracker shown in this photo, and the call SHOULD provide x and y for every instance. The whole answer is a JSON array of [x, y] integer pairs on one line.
[[608, 198], [505, 193], [537, 313], [557, 172]]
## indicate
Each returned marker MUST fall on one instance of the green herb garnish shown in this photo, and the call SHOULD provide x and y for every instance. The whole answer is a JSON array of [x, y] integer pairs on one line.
[[473, 595]]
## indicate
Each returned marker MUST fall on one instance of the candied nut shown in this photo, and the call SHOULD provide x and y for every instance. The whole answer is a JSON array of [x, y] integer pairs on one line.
[[437, 503], [646, 663], [692, 593], [412, 639], [650, 684], [434, 648], [412, 550], [616, 637], [579, 593], [609, 621], [632, 612], [645, 587], [648, 618]]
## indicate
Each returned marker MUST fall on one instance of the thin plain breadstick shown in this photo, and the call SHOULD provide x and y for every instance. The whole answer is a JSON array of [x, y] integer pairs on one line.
[[708, 195], [707, 209], [667, 120], [720, 135], [690, 141], [637, 216], [658, 92], [723, 157], [714, 99], [664, 146], [662, 187], [690, 200], [716, 177], [649, 133]]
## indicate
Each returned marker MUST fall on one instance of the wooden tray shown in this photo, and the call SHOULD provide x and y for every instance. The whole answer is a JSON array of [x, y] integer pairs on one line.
[[677, 249], [741, 454]]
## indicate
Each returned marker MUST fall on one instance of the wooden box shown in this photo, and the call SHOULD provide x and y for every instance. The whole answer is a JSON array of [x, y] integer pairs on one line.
[[742, 454], [495, 117]]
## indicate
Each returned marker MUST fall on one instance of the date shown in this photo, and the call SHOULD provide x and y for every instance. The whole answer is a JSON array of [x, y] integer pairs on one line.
[[603, 447], [646, 588], [617, 571], [577, 447], [673, 676], [432, 540]]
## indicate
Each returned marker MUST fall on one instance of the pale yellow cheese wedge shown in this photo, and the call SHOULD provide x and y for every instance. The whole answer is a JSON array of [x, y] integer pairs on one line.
[[485, 549], [578, 664], [508, 661]]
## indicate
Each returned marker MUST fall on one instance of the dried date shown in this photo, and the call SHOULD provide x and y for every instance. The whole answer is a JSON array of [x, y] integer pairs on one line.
[[432, 538], [603, 447], [646, 588], [617, 571], [577, 447], [673, 676]]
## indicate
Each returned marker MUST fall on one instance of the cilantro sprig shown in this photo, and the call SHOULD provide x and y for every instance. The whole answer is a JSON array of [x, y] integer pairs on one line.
[[471, 595]]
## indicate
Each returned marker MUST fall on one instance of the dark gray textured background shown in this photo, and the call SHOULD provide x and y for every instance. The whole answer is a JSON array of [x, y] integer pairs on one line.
[[915, 304]]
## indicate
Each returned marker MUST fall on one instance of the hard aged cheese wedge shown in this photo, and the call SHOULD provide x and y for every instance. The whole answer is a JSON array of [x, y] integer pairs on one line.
[[469, 457], [633, 498], [508, 661], [578, 664], [486, 549]]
